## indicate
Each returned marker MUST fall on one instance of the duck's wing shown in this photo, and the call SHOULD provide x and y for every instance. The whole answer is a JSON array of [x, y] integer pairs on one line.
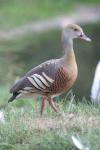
[[37, 80]]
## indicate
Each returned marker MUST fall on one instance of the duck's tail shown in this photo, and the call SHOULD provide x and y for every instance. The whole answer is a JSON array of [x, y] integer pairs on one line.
[[13, 97]]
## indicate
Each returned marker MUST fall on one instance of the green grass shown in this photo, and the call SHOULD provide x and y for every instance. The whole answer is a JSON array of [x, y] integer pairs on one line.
[[14, 13], [25, 130], [18, 12]]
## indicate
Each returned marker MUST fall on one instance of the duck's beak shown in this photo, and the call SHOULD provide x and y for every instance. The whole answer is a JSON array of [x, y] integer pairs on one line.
[[84, 37]]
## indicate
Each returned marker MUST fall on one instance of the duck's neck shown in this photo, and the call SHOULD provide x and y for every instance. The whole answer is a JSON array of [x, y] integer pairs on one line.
[[69, 55]]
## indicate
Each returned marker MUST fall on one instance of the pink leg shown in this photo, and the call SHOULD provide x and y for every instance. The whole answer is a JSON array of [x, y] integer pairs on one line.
[[42, 105], [52, 104]]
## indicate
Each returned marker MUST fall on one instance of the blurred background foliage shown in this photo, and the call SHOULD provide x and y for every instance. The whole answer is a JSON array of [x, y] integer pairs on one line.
[[20, 54]]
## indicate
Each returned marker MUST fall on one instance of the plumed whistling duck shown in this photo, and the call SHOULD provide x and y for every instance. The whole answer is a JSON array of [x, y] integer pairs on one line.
[[54, 77]]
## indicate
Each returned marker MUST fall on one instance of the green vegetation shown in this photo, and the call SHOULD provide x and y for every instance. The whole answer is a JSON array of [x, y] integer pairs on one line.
[[25, 130], [19, 12]]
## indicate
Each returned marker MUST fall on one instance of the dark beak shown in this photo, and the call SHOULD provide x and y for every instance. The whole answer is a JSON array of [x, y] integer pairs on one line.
[[84, 37]]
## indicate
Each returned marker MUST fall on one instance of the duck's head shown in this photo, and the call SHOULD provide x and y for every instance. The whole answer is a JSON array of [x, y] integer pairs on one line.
[[74, 31]]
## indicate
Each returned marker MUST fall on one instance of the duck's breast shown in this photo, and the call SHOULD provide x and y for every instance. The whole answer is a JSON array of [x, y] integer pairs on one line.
[[64, 79]]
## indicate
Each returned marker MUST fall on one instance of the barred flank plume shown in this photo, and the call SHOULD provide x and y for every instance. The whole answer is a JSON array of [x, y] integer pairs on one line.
[[40, 82]]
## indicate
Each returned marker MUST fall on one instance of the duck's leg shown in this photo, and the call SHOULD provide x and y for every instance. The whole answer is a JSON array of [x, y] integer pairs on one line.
[[52, 104], [42, 105]]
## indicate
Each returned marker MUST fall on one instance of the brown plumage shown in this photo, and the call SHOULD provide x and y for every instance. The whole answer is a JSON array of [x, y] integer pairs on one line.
[[53, 77]]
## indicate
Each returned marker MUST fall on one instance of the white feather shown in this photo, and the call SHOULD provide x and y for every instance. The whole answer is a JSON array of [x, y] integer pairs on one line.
[[39, 82], [2, 119], [77, 143], [23, 92], [19, 95], [42, 79], [28, 88], [48, 78], [33, 82]]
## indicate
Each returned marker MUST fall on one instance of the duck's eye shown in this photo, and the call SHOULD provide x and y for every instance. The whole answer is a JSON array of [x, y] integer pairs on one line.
[[75, 29]]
